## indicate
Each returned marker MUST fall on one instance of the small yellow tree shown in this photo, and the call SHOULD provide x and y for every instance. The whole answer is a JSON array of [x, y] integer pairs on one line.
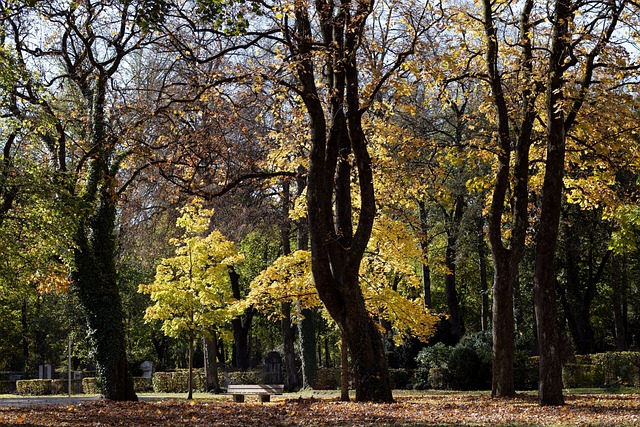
[[191, 291]]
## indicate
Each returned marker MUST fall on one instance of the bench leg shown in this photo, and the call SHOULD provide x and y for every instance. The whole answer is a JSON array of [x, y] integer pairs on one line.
[[265, 398], [238, 398]]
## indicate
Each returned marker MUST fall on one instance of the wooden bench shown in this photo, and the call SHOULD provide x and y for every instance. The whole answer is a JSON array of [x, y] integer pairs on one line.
[[263, 391]]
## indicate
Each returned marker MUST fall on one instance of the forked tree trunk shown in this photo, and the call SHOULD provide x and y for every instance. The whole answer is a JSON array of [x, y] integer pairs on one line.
[[338, 153]]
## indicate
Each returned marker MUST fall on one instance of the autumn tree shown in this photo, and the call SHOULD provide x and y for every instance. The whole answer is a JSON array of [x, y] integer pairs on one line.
[[80, 52], [191, 291]]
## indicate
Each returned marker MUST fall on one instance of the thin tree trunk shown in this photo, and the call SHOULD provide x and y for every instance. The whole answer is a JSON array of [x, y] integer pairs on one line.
[[190, 375], [484, 282], [344, 370]]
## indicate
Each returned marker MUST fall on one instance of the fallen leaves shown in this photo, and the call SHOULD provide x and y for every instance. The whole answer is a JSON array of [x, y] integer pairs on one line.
[[452, 409]]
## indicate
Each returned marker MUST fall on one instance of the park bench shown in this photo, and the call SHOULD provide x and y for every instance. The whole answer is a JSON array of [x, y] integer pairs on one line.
[[263, 391]]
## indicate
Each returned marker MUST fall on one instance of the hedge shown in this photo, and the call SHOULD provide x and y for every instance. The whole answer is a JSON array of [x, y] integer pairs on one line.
[[33, 387], [603, 369], [176, 382]]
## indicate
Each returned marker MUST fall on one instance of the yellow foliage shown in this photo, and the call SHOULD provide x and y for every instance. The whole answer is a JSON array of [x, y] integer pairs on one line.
[[191, 290]]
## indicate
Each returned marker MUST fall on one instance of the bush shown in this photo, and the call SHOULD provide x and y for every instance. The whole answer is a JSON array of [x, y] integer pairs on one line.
[[436, 356], [142, 385], [421, 379], [576, 375], [245, 377], [439, 378], [465, 369], [177, 381], [5, 386], [91, 385], [401, 378], [327, 379], [33, 387]]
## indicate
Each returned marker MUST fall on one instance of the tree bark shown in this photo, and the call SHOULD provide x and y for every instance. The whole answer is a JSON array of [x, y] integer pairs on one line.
[[337, 249], [190, 370], [241, 327], [550, 382], [453, 304], [210, 346], [424, 246], [484, 283], [344, 371], [95, 277], [506, 258]]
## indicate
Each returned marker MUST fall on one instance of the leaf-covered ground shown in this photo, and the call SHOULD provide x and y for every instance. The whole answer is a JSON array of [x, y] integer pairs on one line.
[[449, 410]]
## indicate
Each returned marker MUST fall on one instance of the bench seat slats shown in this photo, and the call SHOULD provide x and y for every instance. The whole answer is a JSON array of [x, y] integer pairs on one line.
[[255, 389], [264, 391]]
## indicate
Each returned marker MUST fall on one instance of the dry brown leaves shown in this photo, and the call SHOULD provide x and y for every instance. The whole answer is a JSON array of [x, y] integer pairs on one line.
[[583, 410]]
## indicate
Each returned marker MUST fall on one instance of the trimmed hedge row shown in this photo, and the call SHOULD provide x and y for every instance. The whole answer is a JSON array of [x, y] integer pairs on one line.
[[61, 386], [45, 387], [603, 369]]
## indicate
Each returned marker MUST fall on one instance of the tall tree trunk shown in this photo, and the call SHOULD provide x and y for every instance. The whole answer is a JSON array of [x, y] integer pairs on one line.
[[550, 383], [337, 140], [95, 283], [453, 304], [190, 369], [513, 181], [307, 331], [24, 322], [307, 327], [291, 382]]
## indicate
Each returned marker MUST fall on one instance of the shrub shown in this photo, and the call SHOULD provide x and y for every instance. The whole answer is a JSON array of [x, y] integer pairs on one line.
[[439, 378], [91, 385], [465, 369], [421, 379], [5, 386], [245, 377], [582, 375], [33, 387], [142, 385], [436, 356], [327, 379], [176, 382], [401, 378]]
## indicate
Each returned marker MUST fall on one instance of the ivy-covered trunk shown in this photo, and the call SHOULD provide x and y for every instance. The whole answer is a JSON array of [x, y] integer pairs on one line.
[[95, 277], [96, 285]]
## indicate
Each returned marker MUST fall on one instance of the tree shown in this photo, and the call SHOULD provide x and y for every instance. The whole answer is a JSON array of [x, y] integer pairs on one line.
[[338, 151], [191, 291]]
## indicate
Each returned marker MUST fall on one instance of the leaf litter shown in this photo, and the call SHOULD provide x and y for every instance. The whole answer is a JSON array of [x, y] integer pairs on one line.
[[447, 409]]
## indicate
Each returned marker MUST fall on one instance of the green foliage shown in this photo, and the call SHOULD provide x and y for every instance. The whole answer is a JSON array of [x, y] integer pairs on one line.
[[616, 367], [91, 385], [435, 356], [400, 378], [230, 16], [33, 387], [468, 365], [176, 382], [576, 375], [463, 369], [245, 377]]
